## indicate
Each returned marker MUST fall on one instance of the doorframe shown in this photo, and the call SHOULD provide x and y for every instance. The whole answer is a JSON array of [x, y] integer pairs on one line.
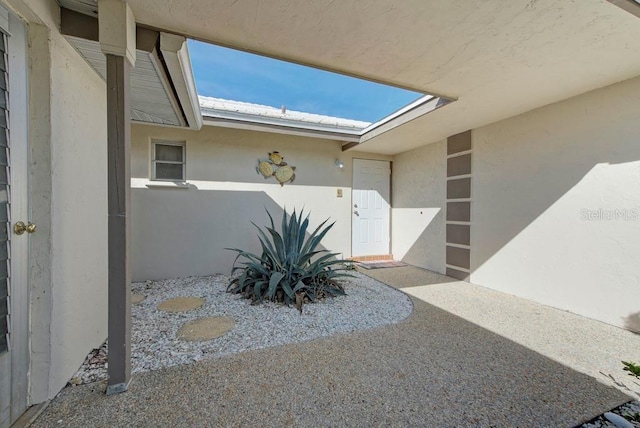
[[18, 88], [390, 225]]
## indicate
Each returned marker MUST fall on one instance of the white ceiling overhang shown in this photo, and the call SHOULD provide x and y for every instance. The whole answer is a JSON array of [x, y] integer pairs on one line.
[[162, 86], [496, 58]]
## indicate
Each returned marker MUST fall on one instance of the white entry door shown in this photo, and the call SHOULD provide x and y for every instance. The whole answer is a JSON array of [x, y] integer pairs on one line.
[[371, 208], [14, 241]]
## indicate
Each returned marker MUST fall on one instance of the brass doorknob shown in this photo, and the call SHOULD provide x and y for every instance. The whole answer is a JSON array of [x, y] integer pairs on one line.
[[19, 228]]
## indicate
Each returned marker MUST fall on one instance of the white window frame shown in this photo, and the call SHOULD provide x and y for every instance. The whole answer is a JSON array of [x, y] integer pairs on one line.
[[182, 144]]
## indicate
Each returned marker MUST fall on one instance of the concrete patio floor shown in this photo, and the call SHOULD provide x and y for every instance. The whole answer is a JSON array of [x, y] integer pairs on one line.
[[467, 356], [585, 345]]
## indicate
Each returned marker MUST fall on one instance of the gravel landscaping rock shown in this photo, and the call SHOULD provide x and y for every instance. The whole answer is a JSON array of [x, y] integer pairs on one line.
[[629, 411], [433, 369], [155, 342]]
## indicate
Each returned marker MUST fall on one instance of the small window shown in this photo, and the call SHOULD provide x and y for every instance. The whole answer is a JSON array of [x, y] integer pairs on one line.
[[168, 161]]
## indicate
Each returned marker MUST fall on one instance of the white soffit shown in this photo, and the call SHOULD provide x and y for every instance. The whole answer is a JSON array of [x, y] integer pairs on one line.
[[87, 7], [150, 101]]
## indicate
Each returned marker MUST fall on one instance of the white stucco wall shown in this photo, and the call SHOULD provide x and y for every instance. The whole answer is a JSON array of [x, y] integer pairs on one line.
[[78, 210], [69, 310], [419, 201], [182, 232], [546, 187]]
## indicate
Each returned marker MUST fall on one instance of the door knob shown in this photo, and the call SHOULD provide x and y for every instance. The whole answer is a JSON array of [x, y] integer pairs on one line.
[[356, 213], [19, 228]]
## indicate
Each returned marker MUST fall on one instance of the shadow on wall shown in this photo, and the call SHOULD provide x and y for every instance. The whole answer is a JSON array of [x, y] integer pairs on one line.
[[632, 322], [419, 199], [524, 165], [427, 249], [164, 246], [534, 177], [537, 187]]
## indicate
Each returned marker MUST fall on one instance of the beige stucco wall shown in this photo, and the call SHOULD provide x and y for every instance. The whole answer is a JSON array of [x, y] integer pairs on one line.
[[68, 186], [182, 232], [418, 201], [543, 186]]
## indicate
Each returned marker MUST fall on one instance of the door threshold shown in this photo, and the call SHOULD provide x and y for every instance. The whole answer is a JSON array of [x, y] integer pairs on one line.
[[372, 258]]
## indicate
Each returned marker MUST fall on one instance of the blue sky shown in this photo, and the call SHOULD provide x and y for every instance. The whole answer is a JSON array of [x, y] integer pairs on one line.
[[234, 75]]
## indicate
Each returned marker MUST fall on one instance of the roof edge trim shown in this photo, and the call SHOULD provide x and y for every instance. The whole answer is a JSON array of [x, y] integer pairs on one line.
[[302, 131], [175, 53], [272, 121]]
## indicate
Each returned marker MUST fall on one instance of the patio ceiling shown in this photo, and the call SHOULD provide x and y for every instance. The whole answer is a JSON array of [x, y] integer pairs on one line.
[[151, 98], [497, 58], [162, 88]]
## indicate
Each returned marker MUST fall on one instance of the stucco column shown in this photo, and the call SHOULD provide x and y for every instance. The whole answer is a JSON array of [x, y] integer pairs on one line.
[[118, 42]]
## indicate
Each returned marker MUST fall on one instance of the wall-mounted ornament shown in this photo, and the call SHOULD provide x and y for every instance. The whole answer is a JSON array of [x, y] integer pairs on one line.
[[275, 166]]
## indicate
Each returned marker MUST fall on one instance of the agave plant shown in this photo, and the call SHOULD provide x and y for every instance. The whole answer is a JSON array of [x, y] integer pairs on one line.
[[291, 269], [632, 368]]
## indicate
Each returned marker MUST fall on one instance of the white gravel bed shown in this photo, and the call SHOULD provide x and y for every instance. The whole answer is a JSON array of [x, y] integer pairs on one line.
[[368, 304], [625, 416]]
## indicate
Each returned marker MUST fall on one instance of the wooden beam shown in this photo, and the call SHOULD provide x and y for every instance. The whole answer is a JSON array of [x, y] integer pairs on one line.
[[119, 190], [350, 145], [79, 25]]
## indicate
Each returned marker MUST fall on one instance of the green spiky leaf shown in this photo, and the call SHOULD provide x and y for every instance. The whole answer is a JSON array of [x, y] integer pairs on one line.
[[292, 266]]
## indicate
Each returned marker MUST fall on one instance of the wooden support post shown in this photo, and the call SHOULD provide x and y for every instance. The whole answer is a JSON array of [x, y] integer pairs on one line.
[[119, 188], [117, 34]]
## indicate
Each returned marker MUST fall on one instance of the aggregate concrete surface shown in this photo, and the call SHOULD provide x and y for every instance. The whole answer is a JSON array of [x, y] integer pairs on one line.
[[433, 369]]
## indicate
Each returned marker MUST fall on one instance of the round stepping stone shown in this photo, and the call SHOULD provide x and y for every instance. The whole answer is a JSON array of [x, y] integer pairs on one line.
[[181, 304], [136, 299], [205, 328]]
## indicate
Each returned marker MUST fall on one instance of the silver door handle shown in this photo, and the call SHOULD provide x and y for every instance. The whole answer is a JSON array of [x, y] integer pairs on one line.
[[356, 213]]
